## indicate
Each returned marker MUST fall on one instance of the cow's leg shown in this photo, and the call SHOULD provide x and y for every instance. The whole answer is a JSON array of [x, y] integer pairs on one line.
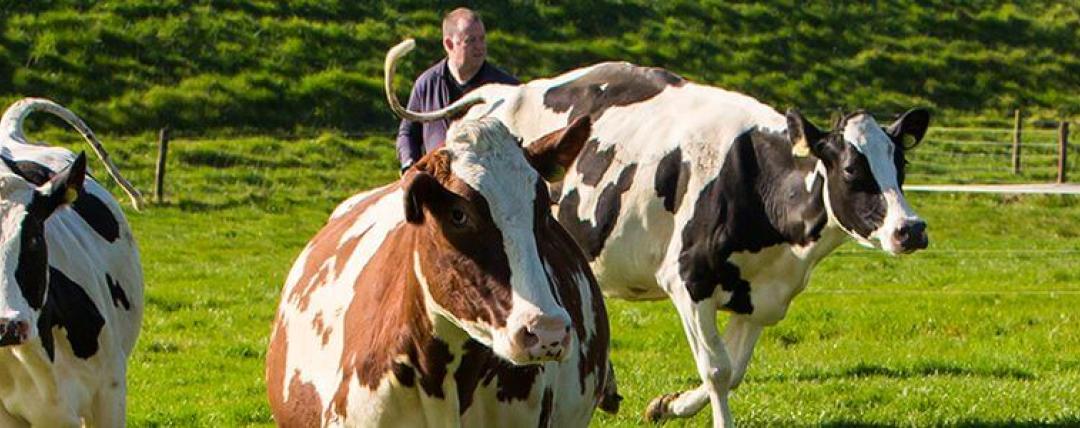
[[110, 403], [740, 336], [712, 361], [609, 401]]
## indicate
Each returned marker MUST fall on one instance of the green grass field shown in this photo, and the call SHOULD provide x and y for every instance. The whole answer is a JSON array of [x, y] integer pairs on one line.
[[981, 329]]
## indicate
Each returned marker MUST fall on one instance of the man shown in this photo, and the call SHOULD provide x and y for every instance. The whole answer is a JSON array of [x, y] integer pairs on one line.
[[464, 69]]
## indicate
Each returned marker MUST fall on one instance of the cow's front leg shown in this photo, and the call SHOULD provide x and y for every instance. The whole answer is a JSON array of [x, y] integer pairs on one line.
[[712, 361]]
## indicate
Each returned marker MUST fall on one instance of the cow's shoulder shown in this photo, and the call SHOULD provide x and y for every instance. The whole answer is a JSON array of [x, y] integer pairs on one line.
[[758, 198]]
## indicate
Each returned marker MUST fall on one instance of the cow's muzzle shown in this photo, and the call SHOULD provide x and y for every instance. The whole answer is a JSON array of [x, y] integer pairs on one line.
[[545, 338], [14, 332], [911, 236]]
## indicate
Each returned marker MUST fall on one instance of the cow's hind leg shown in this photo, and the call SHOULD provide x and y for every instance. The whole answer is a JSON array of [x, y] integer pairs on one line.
[[609, 401], [740, 336], [711, 358], [110, 403]]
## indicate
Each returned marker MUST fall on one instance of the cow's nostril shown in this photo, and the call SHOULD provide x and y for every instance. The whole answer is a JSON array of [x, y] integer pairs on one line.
[[912, 235], [526, 338], [13, 332]]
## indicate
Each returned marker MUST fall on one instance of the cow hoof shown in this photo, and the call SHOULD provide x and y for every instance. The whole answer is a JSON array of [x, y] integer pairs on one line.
[[610, 403], [660, 407]]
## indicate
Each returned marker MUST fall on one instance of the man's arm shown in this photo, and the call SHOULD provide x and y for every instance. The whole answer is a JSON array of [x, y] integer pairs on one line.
[[410, 138]]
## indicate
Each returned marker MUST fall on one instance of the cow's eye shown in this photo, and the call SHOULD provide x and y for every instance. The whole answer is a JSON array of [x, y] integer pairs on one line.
[[850, 172], [458, 217]]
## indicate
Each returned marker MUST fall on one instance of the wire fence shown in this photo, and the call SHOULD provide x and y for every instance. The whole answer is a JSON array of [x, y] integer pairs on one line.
[[968, 155]]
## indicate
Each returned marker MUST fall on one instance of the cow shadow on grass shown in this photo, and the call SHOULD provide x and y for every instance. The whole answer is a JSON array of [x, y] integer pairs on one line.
[[919, 370]]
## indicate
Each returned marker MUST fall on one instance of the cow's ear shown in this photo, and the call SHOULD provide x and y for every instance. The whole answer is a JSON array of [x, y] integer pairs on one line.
[[62, 189], [911, 127], [419, 187], [805, 137], [552, 154]]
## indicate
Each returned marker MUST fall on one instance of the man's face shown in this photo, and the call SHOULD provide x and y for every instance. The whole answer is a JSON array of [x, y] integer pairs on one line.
[[466, 48]]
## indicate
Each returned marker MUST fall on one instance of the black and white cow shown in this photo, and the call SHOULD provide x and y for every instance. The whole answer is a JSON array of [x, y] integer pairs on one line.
[[71, 293], [710, 198]]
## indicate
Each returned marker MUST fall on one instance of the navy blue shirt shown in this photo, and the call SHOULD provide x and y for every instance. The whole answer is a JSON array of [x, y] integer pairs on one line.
[[434, 89]]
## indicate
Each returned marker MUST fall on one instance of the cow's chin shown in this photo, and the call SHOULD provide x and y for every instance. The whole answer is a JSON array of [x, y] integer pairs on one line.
[[520, 356]]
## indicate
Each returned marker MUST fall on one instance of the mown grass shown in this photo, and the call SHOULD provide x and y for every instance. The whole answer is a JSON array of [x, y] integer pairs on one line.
[[981, 329]]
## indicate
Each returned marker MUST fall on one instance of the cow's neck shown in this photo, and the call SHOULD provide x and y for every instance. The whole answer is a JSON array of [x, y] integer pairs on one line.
[[790, 189]]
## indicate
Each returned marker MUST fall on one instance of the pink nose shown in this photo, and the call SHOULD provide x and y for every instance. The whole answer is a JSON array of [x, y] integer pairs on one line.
[[13, 332], [545, 338]]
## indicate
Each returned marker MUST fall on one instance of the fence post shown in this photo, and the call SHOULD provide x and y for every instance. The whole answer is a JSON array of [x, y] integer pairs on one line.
[[1016, 143], [1063, 145], [159, 176]]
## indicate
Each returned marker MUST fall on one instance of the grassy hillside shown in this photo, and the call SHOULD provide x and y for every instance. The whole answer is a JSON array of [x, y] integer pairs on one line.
[[134, 65]]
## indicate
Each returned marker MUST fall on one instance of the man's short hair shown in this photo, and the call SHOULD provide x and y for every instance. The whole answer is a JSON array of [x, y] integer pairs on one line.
[[449, 23]]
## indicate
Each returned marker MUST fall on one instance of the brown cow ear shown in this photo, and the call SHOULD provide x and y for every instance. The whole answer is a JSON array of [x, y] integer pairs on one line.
[[553, 153], [419, 186]]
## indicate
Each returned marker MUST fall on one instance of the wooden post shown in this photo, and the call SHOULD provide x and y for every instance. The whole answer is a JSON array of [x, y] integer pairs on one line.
[[1016, 143], [159, 176], [1063, 145]]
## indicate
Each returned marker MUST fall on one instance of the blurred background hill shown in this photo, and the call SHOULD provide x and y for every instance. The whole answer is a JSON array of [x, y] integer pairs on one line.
[[130, 66]]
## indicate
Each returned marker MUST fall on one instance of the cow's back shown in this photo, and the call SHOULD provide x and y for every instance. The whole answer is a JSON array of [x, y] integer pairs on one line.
[[656, 143]]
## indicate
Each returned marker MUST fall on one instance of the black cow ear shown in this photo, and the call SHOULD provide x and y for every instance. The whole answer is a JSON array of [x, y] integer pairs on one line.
[[552, 154], [805, 137], [14, 167], [419, 186], [910, 127], [62, 189]]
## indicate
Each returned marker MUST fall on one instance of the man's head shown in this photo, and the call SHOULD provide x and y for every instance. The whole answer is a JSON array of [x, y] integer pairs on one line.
[[464, 42]]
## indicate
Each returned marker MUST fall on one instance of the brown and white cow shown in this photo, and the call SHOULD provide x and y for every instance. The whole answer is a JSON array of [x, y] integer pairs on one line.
[[449, 298], [71, 293], [698, 194]]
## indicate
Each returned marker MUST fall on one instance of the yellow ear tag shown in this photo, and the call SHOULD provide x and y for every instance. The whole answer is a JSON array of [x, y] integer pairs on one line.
[[800, 148], [70, 195]]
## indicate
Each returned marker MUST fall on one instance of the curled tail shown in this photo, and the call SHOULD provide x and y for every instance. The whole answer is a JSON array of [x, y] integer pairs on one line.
[[12, 125]]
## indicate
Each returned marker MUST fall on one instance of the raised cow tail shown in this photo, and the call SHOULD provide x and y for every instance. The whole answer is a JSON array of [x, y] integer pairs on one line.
[[392, 56], [12, 124]]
